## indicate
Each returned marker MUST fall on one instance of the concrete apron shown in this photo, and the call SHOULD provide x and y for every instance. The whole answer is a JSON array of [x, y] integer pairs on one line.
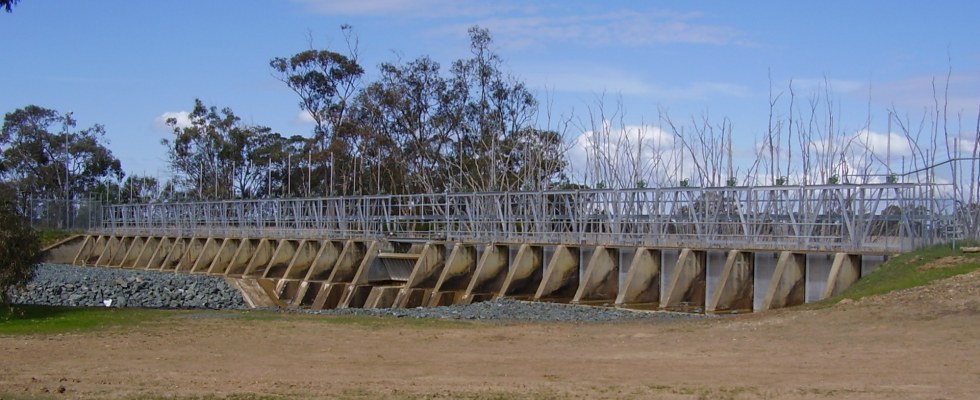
[[329, 273]]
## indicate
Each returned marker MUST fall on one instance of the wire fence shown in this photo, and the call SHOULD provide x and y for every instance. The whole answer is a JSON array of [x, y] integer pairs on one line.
[[61, 214]]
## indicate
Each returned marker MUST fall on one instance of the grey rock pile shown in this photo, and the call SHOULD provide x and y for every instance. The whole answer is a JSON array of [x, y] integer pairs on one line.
[[66, 285]]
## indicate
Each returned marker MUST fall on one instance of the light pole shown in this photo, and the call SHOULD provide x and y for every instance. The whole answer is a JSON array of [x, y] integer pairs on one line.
[[68, 122]]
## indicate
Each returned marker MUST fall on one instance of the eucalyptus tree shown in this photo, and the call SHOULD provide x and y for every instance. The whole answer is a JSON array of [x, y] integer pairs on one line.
[[45, 155], [219, 157], [408, 120], [8, 5], [468, 128], [326, 82]]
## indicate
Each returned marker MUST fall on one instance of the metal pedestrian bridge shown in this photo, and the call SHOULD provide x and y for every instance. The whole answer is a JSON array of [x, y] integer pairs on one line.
[[694, 249]]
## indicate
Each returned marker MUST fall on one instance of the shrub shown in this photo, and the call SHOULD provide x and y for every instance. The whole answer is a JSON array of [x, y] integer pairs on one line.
[[20, 248]]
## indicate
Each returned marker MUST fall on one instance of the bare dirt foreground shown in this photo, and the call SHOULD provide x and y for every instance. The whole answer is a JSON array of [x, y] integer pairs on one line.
[[922, 343]]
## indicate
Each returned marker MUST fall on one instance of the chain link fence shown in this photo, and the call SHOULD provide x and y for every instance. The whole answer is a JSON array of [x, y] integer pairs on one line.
[[61, 214]]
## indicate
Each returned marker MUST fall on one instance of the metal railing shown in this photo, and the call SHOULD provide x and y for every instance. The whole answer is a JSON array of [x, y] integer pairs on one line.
[[864, 218]]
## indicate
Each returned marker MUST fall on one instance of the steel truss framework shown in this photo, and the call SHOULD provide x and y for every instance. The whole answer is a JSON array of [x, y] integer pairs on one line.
[[868, 218]]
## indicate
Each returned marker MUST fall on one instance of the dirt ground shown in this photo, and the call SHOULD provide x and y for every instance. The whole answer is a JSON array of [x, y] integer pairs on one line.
[[922, 343]]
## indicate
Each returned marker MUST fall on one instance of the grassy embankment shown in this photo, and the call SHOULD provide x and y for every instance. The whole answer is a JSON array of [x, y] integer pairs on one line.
[[49, 237], [912, 269]]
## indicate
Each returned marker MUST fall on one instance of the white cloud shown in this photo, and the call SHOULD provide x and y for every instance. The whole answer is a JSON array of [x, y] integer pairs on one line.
[[182, 118], [304, 118], [521, 24], [882, 144], [621, 156], [620, 28], [966, 143]]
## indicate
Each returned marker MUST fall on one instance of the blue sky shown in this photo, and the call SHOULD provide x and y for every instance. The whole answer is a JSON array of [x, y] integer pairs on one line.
[[125, 63]]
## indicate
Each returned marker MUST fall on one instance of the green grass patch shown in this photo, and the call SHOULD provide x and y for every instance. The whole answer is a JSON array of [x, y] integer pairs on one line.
[[32, 319], [913, 269], [49, 237]]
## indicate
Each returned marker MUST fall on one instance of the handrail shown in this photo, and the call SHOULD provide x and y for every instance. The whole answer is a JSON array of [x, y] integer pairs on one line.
[[841, 217]]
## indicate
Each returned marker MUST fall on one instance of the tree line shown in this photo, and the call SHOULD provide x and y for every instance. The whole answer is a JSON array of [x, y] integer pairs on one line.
[[420, 127], [467, 126]]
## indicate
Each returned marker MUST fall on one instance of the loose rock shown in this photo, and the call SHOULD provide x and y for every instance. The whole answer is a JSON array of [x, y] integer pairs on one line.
[[67, 285]]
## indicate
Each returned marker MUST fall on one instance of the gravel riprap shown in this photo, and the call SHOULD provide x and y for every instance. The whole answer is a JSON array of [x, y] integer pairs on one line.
[[516, 310], [67, 285]]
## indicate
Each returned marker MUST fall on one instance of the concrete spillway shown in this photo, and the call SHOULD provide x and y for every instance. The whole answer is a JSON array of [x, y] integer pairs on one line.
[[384, 274]]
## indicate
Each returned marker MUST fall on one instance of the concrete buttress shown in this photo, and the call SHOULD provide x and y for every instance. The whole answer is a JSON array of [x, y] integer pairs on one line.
[[357, 292], [146, 252], [85, 250], [456, 275], [687, 284], [788, 284], [302, 260], [160, 253], [425, 274], [489, 276], [206, 257], [324, 261], [171, 261], [260, 257], [195, 246], [243, 254], [561, 276], [642, 284], [524, 275], [222, 258], [735, 288], [112, 247], [601, 278], [845, 270], [279, 263], [136, 244]]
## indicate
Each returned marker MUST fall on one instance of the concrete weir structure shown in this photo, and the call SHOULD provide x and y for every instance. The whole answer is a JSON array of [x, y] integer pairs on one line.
[[321, 274], [711, 250]]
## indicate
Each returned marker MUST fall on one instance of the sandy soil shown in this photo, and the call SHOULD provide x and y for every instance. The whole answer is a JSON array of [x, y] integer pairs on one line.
[[916, 344]]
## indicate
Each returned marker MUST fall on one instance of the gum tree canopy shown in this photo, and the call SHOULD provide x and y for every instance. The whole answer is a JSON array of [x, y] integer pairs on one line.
[[43, 154]]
